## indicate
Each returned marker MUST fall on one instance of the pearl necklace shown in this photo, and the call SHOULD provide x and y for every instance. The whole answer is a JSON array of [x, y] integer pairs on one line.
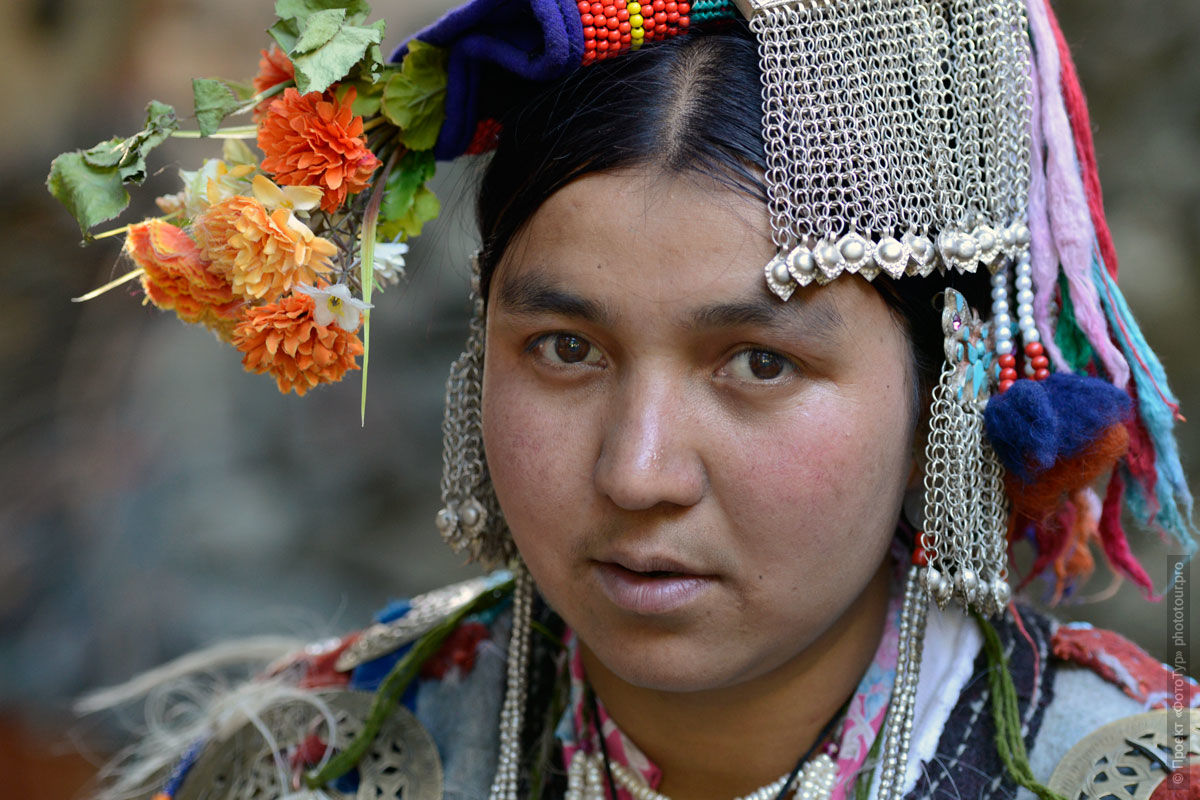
[[585, 782]]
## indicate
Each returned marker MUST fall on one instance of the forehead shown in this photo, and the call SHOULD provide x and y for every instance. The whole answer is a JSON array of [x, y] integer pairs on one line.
[[627, 249], [660, 239]]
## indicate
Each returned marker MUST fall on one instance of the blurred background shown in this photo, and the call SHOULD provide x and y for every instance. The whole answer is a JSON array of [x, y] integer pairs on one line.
[[154, 498]]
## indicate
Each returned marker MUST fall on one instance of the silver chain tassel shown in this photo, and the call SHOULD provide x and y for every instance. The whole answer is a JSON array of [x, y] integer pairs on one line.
[[516, 691], [897, 731], [469, 520], [966, 508]]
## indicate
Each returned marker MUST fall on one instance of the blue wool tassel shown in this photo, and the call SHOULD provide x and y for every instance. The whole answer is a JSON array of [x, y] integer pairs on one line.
[[1036, 423], [1022, 426], [1157, 408]]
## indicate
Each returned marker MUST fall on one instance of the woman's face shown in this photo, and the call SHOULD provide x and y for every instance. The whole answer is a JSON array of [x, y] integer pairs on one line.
[[701, 479]]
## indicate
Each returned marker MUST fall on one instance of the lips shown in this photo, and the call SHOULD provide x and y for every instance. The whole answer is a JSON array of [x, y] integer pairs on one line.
[[651, 586]]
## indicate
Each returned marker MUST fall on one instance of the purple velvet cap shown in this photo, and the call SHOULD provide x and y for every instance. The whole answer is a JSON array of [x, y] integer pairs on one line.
[[537, 40]]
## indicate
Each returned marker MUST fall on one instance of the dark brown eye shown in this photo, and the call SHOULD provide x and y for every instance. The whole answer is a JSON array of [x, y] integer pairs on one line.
[[571, 349], [765, 366]]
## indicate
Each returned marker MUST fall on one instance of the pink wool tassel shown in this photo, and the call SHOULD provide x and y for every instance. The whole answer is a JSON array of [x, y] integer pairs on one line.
[[1070, 218], [1041, 248], [1085, 149]]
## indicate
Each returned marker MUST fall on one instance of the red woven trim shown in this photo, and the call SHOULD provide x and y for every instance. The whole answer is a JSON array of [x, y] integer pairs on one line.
[[1124, 664]]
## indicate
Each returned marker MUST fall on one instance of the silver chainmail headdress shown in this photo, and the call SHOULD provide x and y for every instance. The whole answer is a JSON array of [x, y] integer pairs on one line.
[[897, 135]]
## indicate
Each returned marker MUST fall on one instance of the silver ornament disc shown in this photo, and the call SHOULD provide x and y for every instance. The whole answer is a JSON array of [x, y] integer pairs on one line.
[[1129, 758], [402, 762]]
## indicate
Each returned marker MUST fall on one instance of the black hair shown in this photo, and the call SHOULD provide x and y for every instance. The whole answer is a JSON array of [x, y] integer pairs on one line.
[[691, 104]]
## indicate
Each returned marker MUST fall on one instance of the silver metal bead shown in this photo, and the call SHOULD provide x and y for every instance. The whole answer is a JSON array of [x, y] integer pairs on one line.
[[473, 516], [853, 250], [889, 251], [779, 271], [446, 521], [1001, 592], [966, 582]]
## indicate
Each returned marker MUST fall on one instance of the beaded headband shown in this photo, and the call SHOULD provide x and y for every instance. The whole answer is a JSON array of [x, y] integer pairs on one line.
[[901, 138]]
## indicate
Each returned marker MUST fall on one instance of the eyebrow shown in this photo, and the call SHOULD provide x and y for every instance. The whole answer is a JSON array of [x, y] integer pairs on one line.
[[532, 294], [811, 315]]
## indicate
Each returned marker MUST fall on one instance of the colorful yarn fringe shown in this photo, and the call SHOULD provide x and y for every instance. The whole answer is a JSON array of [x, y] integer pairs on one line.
[[1057, 440]]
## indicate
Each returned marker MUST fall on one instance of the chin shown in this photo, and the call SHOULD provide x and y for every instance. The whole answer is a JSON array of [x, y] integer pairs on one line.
[[677, 663]]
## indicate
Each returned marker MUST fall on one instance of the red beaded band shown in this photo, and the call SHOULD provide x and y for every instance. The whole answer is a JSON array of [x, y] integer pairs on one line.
[[1038, 366], [611, 27]]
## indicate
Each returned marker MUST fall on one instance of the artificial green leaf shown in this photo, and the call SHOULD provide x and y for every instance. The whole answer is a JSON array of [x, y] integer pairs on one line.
[[215, 101], [425, 207], [242, 91], [366, 105], [92, 194], [367, 96], [117, 152], [318, 68], [160, 124], [410, 174], [129, 155], [285, 32], [414, 99], [356, 10], [106, 154], [89, 182], [318, 29], [371, 66]]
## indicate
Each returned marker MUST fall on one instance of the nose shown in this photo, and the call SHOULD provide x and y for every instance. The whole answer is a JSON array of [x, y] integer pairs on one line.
[[649, 455]]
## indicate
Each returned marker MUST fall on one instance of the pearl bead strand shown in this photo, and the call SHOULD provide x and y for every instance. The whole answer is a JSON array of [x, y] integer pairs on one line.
[[584, 781]]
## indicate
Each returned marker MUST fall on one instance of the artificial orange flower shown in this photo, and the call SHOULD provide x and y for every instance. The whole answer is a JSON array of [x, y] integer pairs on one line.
[[274, 68], [262, 253], [284, 340], [178, 278], [316, 140]]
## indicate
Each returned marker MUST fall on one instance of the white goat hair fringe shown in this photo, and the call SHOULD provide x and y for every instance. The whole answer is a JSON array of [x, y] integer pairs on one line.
[[187, 700]]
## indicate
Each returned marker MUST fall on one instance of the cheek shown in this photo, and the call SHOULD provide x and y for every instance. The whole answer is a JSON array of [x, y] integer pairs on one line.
[[534, 457], [826, 477]]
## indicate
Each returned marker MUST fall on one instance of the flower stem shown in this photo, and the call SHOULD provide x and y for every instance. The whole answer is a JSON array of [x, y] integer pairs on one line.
[[367, 266], [126, 278], [113, 232], [238, 132], [125, 228], [374, 123], [265, 94]]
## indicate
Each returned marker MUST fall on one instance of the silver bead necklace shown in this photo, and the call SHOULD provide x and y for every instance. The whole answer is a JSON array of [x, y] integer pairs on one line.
[[584, 781]]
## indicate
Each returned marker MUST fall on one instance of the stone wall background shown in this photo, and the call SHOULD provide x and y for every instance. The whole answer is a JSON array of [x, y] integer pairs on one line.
[[154, 498]]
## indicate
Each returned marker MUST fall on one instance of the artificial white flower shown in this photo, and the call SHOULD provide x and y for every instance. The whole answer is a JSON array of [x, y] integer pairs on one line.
[[389, 261], [335, 304]]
